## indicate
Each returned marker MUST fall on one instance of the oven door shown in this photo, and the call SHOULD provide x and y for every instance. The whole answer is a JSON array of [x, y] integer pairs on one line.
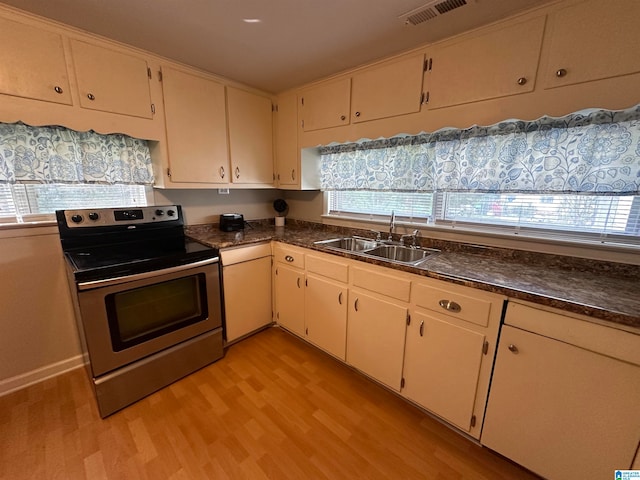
[[128, 318]]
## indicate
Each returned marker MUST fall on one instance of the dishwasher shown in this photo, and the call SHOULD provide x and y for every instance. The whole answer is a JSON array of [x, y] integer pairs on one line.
[[246, 286]]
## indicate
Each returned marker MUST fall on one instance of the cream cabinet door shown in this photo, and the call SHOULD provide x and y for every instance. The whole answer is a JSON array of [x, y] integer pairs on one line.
[[496, 64], [375, 337], [593, 40], [287, 152], [196, 124], [247, 297], [442, 366], [326, 314], [111, 81], [32, 63], [250, 137], [387, 90], [289, 283], [562, 411], [326, 105]]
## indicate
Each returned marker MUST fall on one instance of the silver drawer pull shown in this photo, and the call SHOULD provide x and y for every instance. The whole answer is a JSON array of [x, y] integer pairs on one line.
[[450, 306], [422, 328], [340, 298], [513, 349], [289, 258]]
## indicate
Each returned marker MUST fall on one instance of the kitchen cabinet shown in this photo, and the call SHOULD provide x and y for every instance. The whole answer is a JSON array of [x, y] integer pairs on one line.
[[449, 351], [389, 89], [289, 288], [564, 395], [32, 63], [296, 169], [111, 81], [498, 63], [375, 337], [196, 125], [326, 105], [326, 303], [246, 280], [593, 40], [250, 122]]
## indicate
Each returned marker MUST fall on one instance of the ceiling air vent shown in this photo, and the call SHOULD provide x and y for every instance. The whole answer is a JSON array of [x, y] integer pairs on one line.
[[430, 10]]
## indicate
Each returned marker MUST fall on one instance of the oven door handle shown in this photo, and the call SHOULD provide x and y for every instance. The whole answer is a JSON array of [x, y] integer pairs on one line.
[[107, 282]]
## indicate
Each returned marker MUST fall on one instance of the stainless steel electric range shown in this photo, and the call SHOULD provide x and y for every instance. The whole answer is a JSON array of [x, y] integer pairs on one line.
[[147, 299]]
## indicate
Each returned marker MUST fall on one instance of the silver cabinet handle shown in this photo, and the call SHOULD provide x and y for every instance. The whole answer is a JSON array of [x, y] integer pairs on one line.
[[237, 172], [293, 174], [343, 118], [450, 306], [340, 298], [289, 258], [357, 114], [57, 89], [91, 96], [298, 282], [513, 349], [355, 305], [222, 172], [422, 328], [561, 72], [522, 81]]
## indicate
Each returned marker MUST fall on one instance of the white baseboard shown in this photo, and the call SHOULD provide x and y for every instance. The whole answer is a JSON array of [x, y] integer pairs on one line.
[[35, 376]]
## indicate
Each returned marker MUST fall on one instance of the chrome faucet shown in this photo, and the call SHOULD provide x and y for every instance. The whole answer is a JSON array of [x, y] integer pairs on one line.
[[392, 224]]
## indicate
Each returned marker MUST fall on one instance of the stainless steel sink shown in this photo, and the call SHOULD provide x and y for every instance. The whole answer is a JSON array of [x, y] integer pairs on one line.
[[353, 244], [378, 249], [402, 254]]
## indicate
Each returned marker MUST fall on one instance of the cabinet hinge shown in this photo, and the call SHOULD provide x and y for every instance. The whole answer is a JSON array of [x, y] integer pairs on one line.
[[302, 123], [485, 347], [408, 318], [425, 98], [306, 331], [430, 64], [153, 108], [149, 73], [276, 271], [402, 382], [168, 172], [274, 107], [473, 420], [160, 75], [426, 65], [302, 101]]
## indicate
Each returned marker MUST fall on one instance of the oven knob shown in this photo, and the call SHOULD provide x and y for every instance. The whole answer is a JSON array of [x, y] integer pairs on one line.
[[159, 212], [93, 216], [76, 218], [171, 213]]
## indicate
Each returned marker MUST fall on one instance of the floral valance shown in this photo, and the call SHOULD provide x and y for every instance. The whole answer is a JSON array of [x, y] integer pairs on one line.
[[595, 152], [59, 155]]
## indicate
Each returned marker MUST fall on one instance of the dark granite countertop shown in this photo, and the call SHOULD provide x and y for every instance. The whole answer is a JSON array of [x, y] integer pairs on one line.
[[604, 291]]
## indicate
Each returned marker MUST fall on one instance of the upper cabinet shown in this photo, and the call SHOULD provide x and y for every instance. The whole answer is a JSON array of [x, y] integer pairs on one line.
[[32, 63], [592, 41], [287, 153], [496, 64], [250, 120], [326, 105], [195, 116], [390, 89], [111, 81]]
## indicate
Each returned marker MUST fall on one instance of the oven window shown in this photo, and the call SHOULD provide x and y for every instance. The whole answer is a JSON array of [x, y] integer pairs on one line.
[[141, 314]]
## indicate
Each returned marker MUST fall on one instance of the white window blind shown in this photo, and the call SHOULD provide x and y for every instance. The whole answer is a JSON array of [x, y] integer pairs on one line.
[[39, 201], [414, 207]]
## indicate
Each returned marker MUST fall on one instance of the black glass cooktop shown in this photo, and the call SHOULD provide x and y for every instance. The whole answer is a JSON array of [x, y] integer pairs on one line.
[[90, 264]]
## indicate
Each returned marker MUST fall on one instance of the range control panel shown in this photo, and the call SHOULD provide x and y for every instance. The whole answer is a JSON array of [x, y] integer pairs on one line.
[[104, 217]]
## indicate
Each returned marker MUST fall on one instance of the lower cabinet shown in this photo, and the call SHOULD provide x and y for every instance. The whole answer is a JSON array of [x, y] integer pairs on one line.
[[375, 337], [564, 410], [289, 283], [441, 368], [326, 314], [246, 270]]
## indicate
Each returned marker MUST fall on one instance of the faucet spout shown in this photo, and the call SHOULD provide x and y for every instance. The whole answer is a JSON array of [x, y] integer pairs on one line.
[[392, 224]]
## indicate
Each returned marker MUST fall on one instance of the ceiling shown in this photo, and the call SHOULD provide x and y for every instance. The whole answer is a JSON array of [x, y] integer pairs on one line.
[[296, 41]]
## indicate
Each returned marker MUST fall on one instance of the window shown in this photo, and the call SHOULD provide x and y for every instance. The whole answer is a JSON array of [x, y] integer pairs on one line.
[[32, 202], [561, 215]]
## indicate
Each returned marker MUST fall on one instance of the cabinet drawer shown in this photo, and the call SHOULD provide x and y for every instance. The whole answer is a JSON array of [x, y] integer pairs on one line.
[[393, 286], [288, 255], [459, 302], [245, 253], [327, 267]]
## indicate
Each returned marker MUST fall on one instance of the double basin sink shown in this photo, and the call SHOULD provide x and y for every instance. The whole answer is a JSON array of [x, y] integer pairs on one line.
[[382, 250]]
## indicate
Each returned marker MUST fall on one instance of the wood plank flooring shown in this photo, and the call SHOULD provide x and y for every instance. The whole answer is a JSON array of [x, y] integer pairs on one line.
[[272, 408]]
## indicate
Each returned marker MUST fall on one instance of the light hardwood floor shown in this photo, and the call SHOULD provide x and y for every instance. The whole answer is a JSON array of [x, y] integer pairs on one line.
[[272, 408]]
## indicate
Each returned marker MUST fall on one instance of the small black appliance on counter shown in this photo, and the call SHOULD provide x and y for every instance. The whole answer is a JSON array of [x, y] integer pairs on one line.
[[231, 222]]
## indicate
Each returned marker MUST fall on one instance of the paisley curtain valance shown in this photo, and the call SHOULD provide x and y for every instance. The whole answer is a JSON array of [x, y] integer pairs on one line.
[[594, 152], [59, 155]]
